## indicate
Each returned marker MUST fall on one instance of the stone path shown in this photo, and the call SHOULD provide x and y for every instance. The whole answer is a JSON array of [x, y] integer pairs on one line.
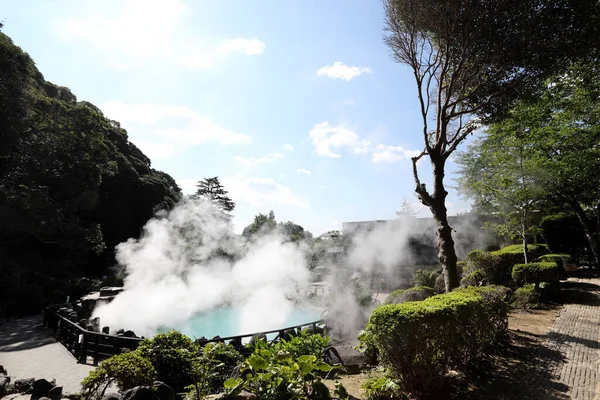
[[27, 350], [569, 365]]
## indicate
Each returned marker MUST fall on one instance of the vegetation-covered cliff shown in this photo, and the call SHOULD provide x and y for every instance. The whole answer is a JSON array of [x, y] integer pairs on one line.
[[72, 186]]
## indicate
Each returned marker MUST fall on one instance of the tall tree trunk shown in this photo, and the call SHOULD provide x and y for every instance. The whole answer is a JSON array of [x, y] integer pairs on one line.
[[437, 204], [525, 249], [589, 232]]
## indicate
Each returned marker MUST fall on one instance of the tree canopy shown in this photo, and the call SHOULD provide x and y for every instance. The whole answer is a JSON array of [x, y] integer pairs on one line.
[[72, 186], [211, 190], [470, 60]]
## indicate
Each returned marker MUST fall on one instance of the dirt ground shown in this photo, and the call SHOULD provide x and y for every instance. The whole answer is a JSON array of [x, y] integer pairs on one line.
[[527, 331]]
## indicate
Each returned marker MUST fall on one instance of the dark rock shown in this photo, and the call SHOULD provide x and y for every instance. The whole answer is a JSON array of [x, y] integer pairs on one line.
[[139, 393], [4, 381], [163, 391], [23, 385], [41, 387], [2, 370], [44, 398], [106, 330], [120, 332], [111, 396], [56, 393], [9, 389], [129, 334]]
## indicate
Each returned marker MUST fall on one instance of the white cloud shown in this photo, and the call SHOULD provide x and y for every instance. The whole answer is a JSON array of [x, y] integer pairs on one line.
[[388, 154], [341, 71], [137, 33], [251, 162], [261, 191], [325, 137], [162, 129], [302, 171], [288, 147]]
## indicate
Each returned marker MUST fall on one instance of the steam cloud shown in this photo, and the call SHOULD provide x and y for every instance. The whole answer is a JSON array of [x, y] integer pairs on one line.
[[177, 269]]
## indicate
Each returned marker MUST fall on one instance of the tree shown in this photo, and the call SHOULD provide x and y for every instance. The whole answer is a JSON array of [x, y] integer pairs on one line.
[[293, 232], [406, 209], [471, 57], [263, 224], [211, 190], [498, 172]]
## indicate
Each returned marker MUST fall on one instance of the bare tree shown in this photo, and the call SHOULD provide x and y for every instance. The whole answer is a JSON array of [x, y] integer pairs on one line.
[[468, 59]]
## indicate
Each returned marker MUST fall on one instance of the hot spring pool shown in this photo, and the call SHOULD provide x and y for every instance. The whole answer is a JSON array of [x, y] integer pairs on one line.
[[226, 321]]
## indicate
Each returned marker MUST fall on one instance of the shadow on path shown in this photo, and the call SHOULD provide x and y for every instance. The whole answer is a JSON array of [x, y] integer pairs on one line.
[[24, 333]]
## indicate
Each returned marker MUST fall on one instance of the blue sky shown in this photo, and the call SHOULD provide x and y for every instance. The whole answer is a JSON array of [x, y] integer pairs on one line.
[[296, 106]]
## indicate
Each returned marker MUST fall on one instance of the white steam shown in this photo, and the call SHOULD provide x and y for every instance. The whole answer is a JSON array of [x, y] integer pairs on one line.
[[187, 261]]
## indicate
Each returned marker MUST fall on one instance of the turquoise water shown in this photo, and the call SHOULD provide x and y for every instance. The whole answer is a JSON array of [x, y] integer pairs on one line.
[[225, 321]]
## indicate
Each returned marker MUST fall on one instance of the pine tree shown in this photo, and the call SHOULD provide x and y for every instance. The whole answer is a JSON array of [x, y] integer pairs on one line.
[[211, 190]]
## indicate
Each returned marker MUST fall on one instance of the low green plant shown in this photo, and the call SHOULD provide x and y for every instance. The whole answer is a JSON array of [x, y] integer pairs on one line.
[[304, 344], [220, 359], [475, 278], [278, 376], [415, 293], [536, 272], [173, 356], [126, 370], [420, 341], [382, 388], [526, 297], [560, 259], [425, 277]]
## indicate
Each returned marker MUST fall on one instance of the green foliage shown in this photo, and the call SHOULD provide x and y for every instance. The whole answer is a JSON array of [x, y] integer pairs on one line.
[[211, 190], [536, 272], [173, 356], [415, 293], [560, 259], [72, 186], [425, 277], [277, 375], [220, 360], [563, 233], [383, 388], [467, 321], [304, 344], [263, 224], [526, 296], [126, 370], [475, 278]]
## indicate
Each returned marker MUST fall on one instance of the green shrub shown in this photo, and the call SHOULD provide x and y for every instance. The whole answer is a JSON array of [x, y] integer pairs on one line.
[[126, 370], [173, 355], [304, 344], [420, 341], [475, 278], [526, 297], [533, 250], [425, 277], [560, 259], [382, 388], [440, 284], [416, 293], [274, 375], [221, 359], [535, 272]]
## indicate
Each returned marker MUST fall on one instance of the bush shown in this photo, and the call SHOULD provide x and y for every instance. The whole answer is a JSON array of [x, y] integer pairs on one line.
[[526, 297], [560, 259], [382, 388], [305, 344], [475, 278], [497, 265], [173, 356], [221, 359], [535, 272], [420, 341], [425, 277], [127, 370], [416, 293]]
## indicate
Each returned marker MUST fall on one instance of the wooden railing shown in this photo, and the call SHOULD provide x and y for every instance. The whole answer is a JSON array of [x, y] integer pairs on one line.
[[100, 346]]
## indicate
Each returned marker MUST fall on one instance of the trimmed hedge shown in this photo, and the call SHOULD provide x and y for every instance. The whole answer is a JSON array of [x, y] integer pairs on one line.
[[497, 265], [560, 259], [475, 278], [535, 273], [420, 341], [416, 293]]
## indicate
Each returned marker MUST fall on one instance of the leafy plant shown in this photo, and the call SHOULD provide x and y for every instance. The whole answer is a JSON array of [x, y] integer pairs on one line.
[[305, 343], [126, 370], [425, 277], [536, 272], [526, 297], [220, 359], [382, 388], [416, 293], [173, 356]]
